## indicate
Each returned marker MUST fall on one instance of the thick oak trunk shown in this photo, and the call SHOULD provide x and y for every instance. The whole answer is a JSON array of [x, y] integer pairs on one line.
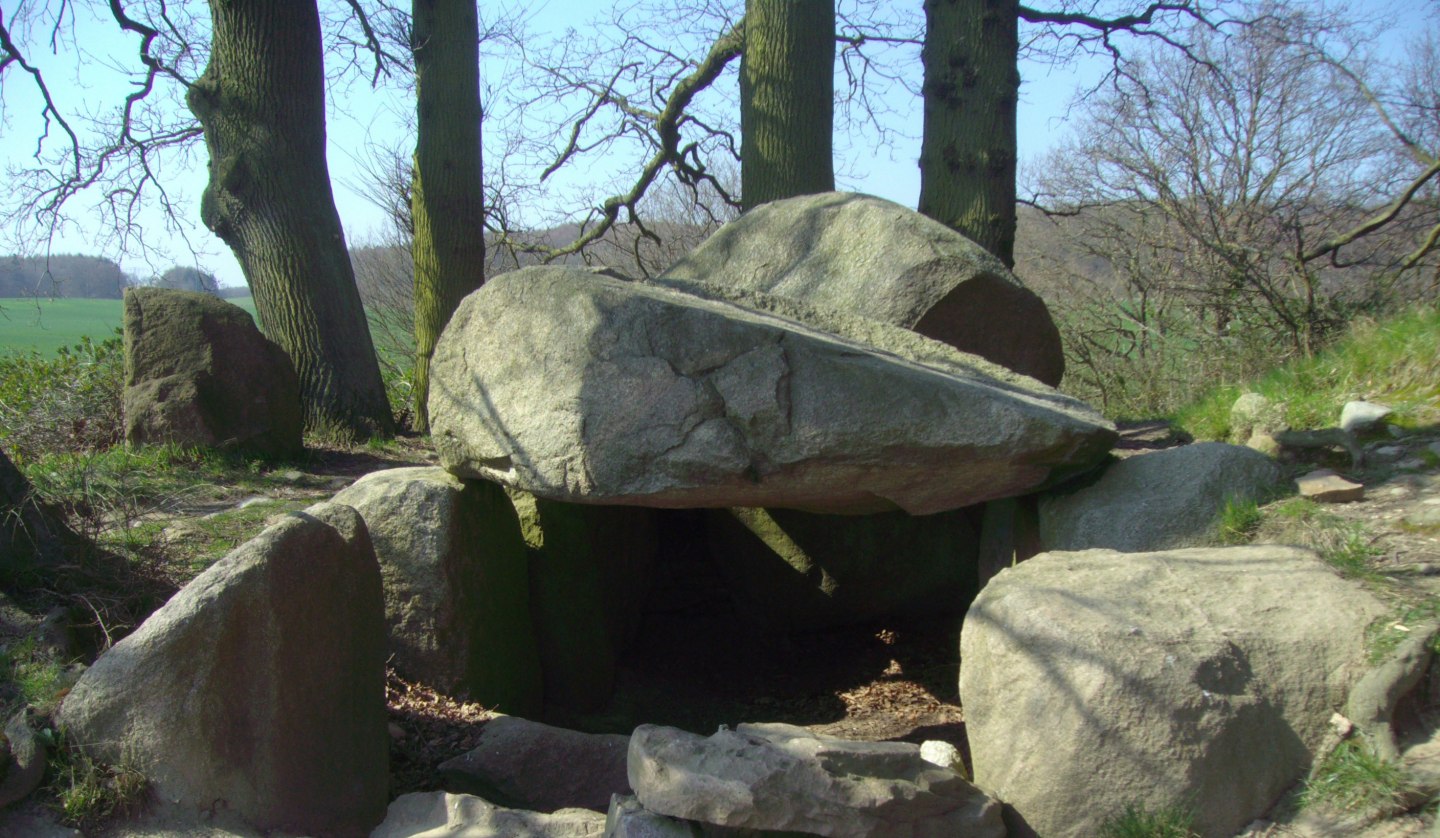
[[787, 99], [446, 199], [261, 102], [967, 152]]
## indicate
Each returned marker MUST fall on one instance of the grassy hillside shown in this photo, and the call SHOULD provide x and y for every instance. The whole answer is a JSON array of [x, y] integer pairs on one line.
[[1394, 361], [47, 325]]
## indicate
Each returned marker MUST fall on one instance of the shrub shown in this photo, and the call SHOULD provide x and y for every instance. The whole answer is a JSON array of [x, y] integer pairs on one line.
[[70, 402]]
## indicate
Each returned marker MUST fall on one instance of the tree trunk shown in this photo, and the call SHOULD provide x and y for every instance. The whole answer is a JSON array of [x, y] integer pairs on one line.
[[261, 102], [446, 201], [967, 151], [787, 99]]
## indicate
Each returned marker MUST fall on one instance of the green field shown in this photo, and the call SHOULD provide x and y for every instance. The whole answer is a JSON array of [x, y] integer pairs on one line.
[[47, 325]]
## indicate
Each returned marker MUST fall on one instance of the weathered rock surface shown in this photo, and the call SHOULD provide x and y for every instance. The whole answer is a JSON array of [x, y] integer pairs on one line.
[[797, 571], [589, 569], [260, 687], [878, 259], [1362, 416], [439, 814], [1254, 421], [1203, 678], [22, 765], [528, 765], [198, 372], [581, 387], [1156, 501], [1325, 486], [626, 818], [457, 587], [783, 777]]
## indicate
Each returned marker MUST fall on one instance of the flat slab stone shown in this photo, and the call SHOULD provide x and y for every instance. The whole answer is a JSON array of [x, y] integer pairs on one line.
[[443, 815], [782, 777], [1325, 486], [586, 388]]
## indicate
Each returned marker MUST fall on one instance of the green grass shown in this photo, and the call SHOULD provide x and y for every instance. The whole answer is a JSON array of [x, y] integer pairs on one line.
[[46, 325], [1239, 521], [1395, 361], [90, 794], [1171, 822], [1354, 779], [1346, 546]]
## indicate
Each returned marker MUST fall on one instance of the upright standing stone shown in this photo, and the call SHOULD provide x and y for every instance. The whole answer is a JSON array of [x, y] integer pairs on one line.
[[198, 372], [457, 587], [260, 687], [32, 536]]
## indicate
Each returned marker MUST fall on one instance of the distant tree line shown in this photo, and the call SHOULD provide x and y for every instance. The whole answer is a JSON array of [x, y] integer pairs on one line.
[[93, 277]]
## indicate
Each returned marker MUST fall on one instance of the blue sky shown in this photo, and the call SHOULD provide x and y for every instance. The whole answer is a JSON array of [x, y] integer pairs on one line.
[[360, 117]]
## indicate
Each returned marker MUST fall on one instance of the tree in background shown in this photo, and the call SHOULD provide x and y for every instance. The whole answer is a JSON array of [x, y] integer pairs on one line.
[[447, 202], [261, 101], [971, 93], [188, 279], [971, 52], [1204, 188], [787, 99]]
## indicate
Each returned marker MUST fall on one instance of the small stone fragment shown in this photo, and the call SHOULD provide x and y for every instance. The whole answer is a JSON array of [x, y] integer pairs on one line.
[[25, 758], [1360, 416], [1325, 486], [944, 755]]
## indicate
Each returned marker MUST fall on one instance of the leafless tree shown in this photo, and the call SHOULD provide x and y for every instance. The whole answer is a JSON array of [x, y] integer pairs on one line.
[[1207, 183]]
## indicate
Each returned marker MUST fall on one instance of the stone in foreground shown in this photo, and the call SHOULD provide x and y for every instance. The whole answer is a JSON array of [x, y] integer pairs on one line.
[[589, 389], [529, 765], [875, 258], [782, 777], [440, 814], [1201, 678], [457, 588], [1160, 501], [1325, 486], [259, 689], [198, 372]]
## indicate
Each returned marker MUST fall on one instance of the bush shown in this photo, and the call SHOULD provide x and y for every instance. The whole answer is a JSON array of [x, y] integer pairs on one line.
[[71, 402]]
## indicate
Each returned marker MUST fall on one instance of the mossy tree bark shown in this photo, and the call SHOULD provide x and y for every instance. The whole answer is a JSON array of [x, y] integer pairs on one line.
[[787, 99], [446, 201], [967, 151], [261, 102]]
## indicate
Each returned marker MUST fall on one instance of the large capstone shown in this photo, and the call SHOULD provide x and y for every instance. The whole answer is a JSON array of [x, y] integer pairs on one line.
[[586, 388], [875, 258]]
